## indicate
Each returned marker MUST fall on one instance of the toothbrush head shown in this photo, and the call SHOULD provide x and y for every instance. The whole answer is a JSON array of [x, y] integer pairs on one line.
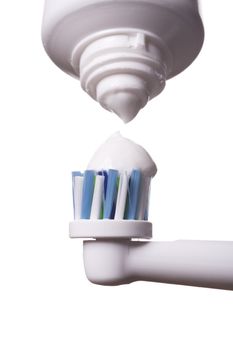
[[112, 201], [110, 204]]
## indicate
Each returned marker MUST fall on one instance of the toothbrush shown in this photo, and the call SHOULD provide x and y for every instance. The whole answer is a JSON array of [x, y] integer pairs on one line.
[[111, 207]]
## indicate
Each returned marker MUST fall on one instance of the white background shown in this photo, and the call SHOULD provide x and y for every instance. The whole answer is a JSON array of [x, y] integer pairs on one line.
[[48, 128]]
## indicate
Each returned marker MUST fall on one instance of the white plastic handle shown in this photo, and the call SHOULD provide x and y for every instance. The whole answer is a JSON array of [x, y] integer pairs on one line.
[[195, 263]]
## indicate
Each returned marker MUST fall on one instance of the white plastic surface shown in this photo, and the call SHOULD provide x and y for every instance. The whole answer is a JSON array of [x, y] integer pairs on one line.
[[110, 229], [123, 51], [196, 263], [122, 69]]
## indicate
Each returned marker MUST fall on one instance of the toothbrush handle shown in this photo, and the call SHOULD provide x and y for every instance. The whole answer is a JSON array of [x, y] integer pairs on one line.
[[195, 263]]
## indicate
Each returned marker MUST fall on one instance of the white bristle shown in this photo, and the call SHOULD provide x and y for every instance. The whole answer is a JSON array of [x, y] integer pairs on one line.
[[97, 197], [121, 196], [77, 193], [144, 195]]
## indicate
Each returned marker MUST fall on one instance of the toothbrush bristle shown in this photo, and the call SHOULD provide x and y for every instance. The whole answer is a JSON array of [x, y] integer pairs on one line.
[[133, 195], [121, 196], [97, 198], [144, 198], [111, 192], [110, 195], [77, 184], [87, 193]]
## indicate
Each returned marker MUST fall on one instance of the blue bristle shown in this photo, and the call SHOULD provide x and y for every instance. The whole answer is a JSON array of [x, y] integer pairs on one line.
[[105, 174], [87, 195], [113, 209], [133, 195], [76, 173], [111, 193]]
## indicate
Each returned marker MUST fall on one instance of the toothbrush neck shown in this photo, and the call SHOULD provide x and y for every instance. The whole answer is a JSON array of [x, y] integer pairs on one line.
[[196, 263]]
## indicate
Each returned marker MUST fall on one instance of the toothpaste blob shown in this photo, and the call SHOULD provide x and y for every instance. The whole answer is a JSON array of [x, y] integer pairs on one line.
[[124, 155]]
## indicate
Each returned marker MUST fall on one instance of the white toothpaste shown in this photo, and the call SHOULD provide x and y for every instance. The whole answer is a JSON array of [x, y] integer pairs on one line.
[[123, 155]]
